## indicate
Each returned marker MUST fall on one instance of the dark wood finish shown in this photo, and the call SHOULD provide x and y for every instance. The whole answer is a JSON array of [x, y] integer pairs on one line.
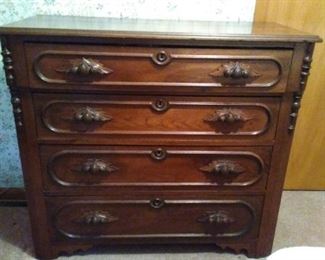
[[130, 133], [58, 117], [282, 146], [30, 160], [101, 168], [98, 219], [59, 67], [155, 29]]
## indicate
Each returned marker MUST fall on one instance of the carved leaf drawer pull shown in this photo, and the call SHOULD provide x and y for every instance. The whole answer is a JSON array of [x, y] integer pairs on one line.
[[226, 116], [94, 166], [86, 67], [90, 115], [216, 217], [96, 217], [224, 168], [235, 71]]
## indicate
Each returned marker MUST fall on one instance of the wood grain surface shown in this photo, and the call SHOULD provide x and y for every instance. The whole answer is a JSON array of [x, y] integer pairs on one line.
[[134, 116], [168, 140], [59, 66], [101, 169], [99, 218], [49, 25], [306, 166]]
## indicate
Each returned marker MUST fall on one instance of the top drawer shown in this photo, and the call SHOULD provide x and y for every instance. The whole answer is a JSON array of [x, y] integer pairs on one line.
[[93, 67]]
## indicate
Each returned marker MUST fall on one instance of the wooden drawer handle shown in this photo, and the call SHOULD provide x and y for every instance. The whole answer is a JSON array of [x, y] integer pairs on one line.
[[94, 166], [89, 115], [220, 217], [226, 115], [224, 168], [86, 67], [235, 71], [96, 217]]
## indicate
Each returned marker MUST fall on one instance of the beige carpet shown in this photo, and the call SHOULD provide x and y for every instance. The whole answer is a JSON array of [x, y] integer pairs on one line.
[[301, 223]]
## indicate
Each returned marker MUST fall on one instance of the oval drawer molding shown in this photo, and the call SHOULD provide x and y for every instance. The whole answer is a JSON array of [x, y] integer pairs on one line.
[[134, 116], [177, 218], [124, 67], [220, 168]]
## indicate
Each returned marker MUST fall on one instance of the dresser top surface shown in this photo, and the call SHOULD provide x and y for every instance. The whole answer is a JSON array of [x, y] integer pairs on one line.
[[165, 29]]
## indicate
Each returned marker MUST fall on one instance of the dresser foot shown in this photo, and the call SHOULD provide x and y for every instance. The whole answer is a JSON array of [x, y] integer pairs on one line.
[[245, 249], [46, 255], [264, 252], [57, 251], [255, 253]]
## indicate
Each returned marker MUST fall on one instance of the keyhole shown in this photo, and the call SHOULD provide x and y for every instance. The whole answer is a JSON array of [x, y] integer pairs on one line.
[[160, 105], [158, 154], [157, 203], [161, 56]]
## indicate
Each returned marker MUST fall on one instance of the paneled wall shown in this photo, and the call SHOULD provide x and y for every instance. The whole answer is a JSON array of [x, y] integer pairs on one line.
[[306, 168], [12, 10]]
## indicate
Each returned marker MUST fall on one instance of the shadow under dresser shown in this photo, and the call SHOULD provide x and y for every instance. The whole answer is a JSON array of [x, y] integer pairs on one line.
[[134, 131]]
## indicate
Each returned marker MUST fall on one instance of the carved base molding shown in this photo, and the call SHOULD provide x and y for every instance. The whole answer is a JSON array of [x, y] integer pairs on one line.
[[246, 249]]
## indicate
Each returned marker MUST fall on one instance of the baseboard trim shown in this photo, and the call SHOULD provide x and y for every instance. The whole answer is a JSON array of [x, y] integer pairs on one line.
[[12, 197]]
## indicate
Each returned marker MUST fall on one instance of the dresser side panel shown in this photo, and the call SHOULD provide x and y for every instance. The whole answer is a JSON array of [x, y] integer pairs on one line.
[[289, 110], [26, 134]]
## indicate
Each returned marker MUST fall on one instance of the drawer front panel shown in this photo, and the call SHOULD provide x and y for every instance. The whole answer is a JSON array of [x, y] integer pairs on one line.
[[89, 116], [110, 219], [93, 67], [72, 168]]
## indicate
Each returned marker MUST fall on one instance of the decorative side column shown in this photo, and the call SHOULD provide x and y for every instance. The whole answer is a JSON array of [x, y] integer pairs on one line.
[[8, 65], [304, 73]]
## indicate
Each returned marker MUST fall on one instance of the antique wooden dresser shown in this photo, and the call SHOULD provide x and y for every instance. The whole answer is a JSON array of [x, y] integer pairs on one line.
[[134, 131]]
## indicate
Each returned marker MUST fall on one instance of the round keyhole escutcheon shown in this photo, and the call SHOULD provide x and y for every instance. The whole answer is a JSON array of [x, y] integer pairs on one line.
[[157, 203], [159, 154], [161, 58], [160, 105]]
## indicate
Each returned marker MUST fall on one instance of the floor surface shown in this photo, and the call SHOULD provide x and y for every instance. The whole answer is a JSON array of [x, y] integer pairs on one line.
[[301, 223]]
